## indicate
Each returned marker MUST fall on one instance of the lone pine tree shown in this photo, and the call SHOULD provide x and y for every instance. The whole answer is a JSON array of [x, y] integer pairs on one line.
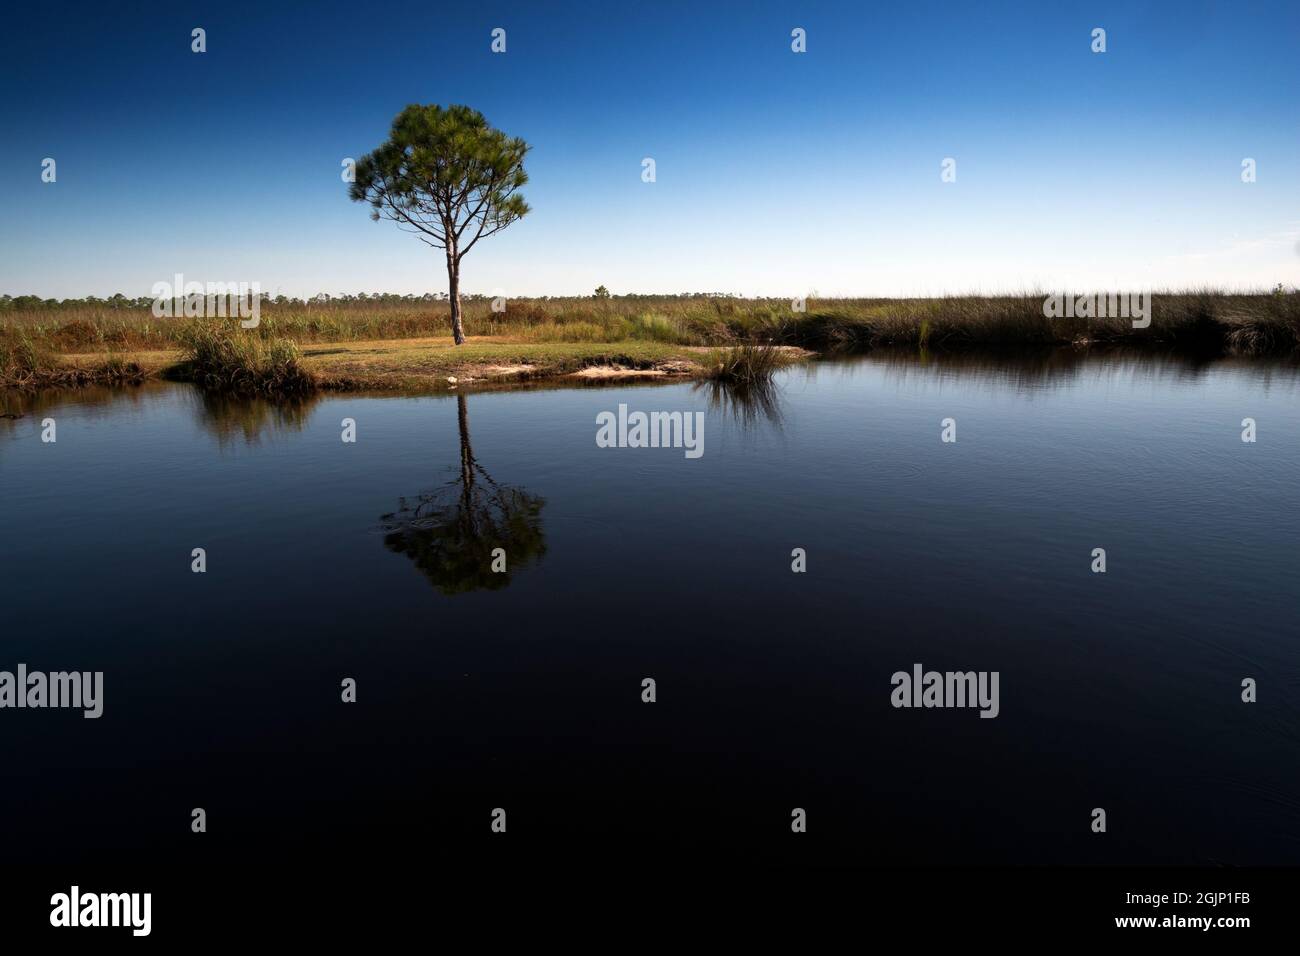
[[448, 177]]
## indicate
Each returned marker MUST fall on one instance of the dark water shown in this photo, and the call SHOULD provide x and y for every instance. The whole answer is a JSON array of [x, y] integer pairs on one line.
[[477, 690]]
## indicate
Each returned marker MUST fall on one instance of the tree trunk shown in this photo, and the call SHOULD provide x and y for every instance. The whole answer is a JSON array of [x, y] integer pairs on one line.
[[453, 293]]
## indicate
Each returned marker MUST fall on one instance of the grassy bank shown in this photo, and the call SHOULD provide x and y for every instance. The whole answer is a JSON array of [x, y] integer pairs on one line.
[[28, 364], [392, 342], [1261, 322]]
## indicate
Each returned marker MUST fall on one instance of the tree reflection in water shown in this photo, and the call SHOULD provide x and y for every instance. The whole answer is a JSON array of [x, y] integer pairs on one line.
[[451, 532]]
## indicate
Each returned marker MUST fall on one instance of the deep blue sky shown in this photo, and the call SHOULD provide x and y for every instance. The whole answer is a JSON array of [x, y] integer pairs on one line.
[[778, 173]]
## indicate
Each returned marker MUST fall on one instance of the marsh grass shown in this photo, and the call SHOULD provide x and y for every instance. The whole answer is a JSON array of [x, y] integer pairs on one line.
[[219, 358], [51, 344], [27, 364], [1235, 323], [745, 364], [21, 359]]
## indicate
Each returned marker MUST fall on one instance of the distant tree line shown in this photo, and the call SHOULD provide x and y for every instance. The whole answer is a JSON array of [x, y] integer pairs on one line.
[[29, 303]]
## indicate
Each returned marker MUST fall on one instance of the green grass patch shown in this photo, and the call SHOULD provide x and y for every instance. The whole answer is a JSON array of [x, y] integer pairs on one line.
[[220, 358]]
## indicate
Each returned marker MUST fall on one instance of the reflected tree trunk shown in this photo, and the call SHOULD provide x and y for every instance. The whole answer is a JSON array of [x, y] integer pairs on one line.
[[451, 532]]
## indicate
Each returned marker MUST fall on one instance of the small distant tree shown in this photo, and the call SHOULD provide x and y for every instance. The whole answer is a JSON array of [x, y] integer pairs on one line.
[[601, 292], [448, 177]]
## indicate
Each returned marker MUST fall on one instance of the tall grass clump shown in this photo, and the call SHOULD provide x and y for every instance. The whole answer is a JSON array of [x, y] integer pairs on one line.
[[745, 364], [26, 364], [221, 359], [22, 362], [740, 380]]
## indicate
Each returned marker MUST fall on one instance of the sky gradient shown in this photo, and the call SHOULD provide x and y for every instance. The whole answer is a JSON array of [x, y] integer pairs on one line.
[[777, 173]]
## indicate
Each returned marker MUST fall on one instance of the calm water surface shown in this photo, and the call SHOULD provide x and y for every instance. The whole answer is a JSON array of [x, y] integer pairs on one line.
[[476, 690]]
